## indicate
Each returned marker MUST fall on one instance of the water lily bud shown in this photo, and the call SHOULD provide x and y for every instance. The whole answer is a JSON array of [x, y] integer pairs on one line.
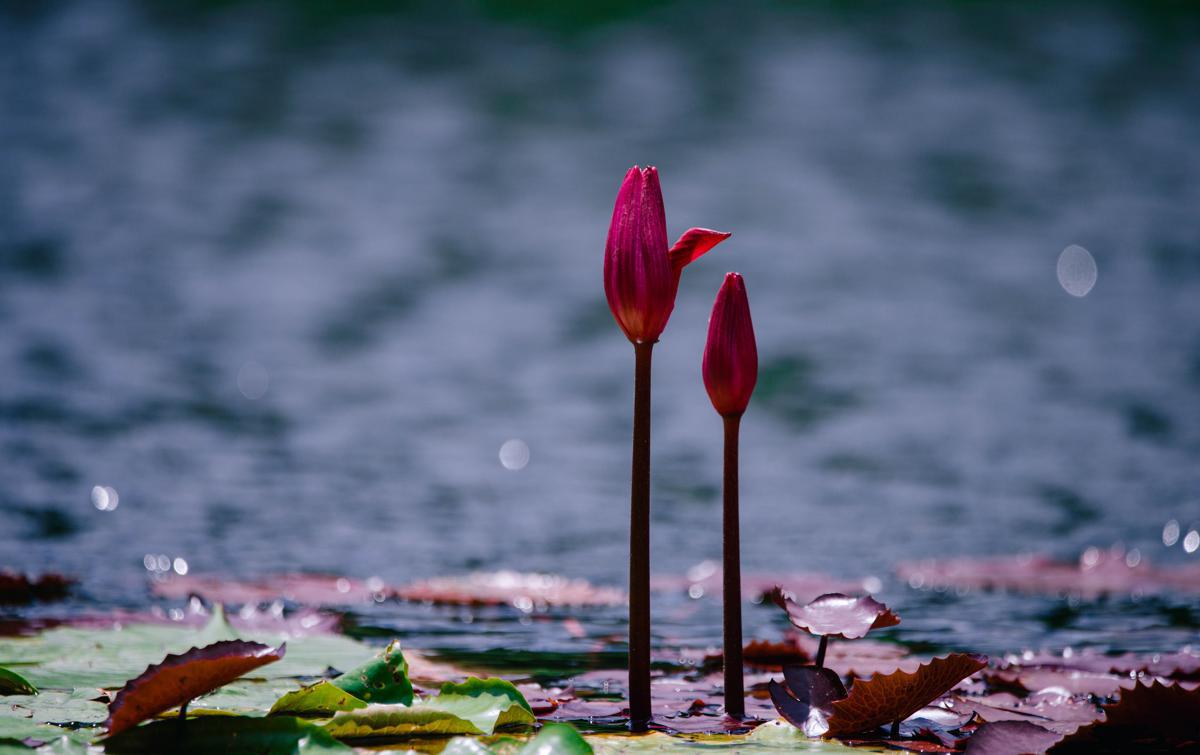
[[641, 276], [731, 356]]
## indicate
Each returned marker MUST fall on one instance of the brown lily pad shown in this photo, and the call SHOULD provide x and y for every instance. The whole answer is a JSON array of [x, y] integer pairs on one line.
[[1166, 716], [837, 615], [17, 588], [886, 699], [806, 698], [1095, 574], [1011, 738], [181, 678], [706, 580], [302, 589], [524, 591]]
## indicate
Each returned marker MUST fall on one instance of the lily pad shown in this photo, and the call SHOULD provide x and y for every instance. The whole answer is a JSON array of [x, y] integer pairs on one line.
[[885, 699], [12, 683], [806, 700], [524, 591], [321, 699], [477, 706], [383, 679], [837, 615], [229, 735], [181, 678]]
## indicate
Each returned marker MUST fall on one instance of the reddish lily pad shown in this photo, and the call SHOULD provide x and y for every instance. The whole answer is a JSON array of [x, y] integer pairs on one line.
[[806, 699], [706, 579], [17, 588], [302, 589], [885, 699], [1095, 574], [837, 615], [181, 678], [1165, 715], [524, 591], [1011, 738]]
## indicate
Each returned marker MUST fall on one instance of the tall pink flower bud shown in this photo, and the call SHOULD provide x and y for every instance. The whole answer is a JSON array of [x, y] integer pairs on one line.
[[641, 276], [731, 356]]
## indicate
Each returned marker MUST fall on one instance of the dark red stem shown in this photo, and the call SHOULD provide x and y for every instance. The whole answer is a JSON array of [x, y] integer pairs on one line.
[[821, 650], [735, 694], [639, 546]]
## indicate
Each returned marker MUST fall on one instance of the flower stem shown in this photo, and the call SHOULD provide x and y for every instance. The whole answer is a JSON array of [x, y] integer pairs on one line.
[[821, 651], [639, 546], [735, 695]]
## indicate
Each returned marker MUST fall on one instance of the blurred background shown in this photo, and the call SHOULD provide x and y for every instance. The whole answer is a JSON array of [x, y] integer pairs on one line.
[[315, 285]]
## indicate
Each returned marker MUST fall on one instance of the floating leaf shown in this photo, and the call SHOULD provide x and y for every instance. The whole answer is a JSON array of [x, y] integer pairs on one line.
[[303, 589], [556, 739], [477, 706], [320, 699], [706, 579], [1011, 738], [525, 591], [181, 678], [837, 615], [228, 735], [807, 700], [1096, 573], [1160, 714], [17, 588], [383, 679], [885, 699], [12, 683]]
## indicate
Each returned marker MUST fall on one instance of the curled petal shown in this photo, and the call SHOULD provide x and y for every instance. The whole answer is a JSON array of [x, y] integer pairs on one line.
[[693, 244]]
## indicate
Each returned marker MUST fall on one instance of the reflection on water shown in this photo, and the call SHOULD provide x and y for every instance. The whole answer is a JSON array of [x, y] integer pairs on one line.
[[288, 280]]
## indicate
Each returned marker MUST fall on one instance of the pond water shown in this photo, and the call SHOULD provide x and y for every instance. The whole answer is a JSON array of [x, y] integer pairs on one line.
[[283, 288]]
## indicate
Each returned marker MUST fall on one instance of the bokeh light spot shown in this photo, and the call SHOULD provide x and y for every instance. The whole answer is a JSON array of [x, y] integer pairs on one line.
[[253, 380], [514, 454], [1076, 270], [105, 498]]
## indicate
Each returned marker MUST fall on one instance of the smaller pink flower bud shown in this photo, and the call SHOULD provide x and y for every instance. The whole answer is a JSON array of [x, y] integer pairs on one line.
[[730, 356]]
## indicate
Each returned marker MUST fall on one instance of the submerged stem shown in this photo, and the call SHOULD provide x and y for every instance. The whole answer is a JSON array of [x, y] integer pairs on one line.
[[639, 546], [735, 695]]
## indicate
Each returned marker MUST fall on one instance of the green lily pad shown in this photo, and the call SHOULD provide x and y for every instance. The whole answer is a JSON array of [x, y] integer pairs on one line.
[[553, 739], [477, 706], [489, 704], [321, 699], [229, 735], [12, 683], [380, 680]]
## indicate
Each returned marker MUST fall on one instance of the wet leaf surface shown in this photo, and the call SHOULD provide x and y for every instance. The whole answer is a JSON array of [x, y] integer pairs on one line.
[[1097, 573], [806, 698], [883, 699], [301, 589], [705, 579], [521, 590], [1011, 738], [321, 699], [476, 706], [179, 679], [836, 614], [1166, 715], [524, 591]]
